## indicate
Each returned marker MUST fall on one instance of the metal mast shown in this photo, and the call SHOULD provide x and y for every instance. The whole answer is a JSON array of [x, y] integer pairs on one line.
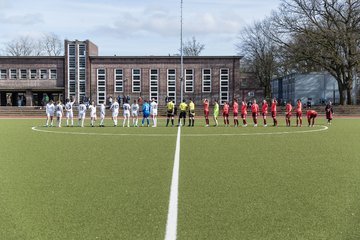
[[181, 54]]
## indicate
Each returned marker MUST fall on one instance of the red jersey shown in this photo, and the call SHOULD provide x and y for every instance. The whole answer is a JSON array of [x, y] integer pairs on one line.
[[226, 108], [254, 108], [273, 107], [235, 107], [244, 109], [288, 108], [206, 106], [265, 108], [311, 113], [299, 107]]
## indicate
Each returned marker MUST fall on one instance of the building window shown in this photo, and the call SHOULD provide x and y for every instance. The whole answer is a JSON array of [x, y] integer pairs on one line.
[[72, 50], [101, 86], [136, 80], [81, 68], [82, 74], [154, 84], [171, 84], [82, 49], [43, 74], [119, 82], [33, 73], [224, 85], [13, 74], [206, 80], [53, 74], [23, 74], [3, 74], [189, 80]]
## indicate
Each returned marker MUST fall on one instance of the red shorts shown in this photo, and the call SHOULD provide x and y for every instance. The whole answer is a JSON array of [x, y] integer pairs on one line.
[[236, 114], [254, 115], [312, 115], [288, 115], [243, 115], [264, 114], [206, 113], [273, 114], [329, 115], [298, 114], [226, 115]]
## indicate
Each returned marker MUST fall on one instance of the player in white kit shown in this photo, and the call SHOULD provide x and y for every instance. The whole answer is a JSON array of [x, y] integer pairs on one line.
[[115, 111], [92, 108], [82, 113], [59, 112], [154, 111], [50, 110], [135, 113], [102, 114], [69, 111], [126, 107]]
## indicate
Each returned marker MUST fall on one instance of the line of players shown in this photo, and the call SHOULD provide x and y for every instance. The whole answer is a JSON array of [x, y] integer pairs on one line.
[[58, 111], [151, 109]]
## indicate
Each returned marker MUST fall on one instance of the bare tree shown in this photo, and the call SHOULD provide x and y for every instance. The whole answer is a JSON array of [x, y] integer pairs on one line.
[[259, 52], [52, 45], [47, 45], [23, 46], [192, 47], [325, 33]]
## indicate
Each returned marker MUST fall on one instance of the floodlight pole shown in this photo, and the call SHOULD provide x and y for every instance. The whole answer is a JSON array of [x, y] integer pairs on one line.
[[181, 54]]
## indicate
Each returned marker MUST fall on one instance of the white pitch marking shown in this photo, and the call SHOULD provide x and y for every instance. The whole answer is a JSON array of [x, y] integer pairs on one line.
[[171, 225], [323, 128]]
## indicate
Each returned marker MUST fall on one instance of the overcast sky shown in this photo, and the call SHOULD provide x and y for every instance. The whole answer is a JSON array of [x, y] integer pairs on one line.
[[135, 27]]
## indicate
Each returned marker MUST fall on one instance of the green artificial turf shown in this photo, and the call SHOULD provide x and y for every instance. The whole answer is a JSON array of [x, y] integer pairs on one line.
[[114, 183]]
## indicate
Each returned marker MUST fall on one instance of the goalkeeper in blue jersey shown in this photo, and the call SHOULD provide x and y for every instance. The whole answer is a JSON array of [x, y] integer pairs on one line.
[[146, 113]]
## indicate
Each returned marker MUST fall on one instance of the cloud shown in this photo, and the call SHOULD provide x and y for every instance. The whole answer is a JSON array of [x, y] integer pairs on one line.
[[27, 19]]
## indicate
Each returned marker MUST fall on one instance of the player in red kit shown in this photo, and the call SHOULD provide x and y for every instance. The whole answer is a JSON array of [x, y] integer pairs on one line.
[[244, 113], [311, 115], [288, 110], [236, 112], [255, 112], [206, 112], [298, 113], [264, 111], [273, 111], [226, 109]]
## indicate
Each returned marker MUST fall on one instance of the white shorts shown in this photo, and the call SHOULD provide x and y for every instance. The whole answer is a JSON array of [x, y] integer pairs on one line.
[[154, 112], [134, 114], [93, 115], [115, 114], [58, 114], [69, 114], [126, 113], [102, 116], [81, 115], [49, 114]]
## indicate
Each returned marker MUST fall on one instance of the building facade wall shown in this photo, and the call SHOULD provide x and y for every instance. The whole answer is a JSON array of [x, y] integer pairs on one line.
[[162, 65]]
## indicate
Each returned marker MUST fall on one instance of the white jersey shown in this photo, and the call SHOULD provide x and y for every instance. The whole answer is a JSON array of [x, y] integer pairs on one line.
[[50, 109], [82, 110], [115, 109], [102, 110], [153, 108], [92, 111], [69, 109], [59, 110], [126, 108], [134, 109]]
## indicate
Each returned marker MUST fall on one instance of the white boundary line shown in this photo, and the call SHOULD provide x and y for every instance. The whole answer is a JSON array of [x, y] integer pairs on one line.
[[322, 128], [171, 225]]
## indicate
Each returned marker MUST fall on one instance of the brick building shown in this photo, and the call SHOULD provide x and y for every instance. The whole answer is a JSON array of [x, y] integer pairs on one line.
[[81, 72]]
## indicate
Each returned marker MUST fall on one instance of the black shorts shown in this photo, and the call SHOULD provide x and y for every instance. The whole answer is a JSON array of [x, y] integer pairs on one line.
[[192, 113], [182, 114], [170, 114]]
